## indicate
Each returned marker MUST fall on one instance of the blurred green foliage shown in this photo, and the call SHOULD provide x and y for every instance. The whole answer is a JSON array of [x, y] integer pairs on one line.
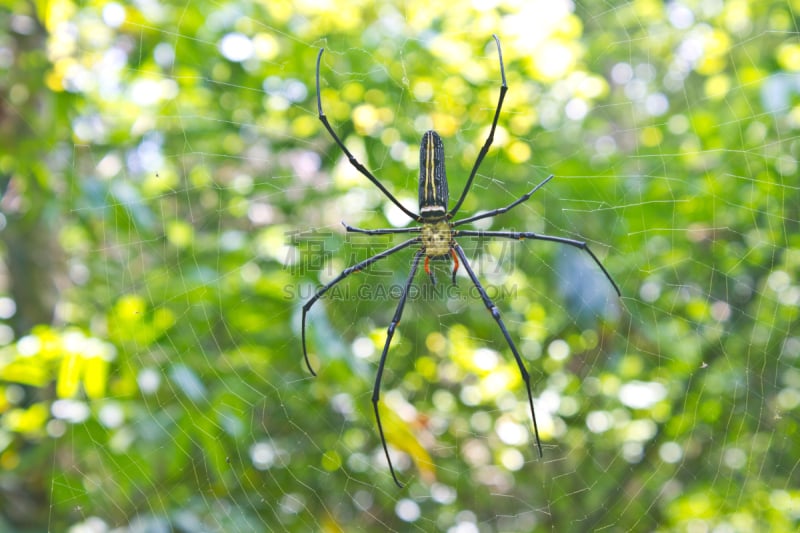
[[170, 199]]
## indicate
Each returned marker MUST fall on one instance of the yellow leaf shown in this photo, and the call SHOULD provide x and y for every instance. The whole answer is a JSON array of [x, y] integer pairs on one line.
[[399, 435], [26, 372], [30, 420], [95, 377], [69, 376]]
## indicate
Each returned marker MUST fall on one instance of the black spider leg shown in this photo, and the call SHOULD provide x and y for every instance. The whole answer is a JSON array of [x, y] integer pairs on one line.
[[346, 272], [382, 231], [430, 272], [455, 266], [505, 209], [389, 334], [496, 315], [489, 139], [353, 161], [519, 235]]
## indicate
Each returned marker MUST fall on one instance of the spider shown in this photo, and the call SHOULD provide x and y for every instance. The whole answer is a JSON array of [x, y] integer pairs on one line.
[[437, 240]]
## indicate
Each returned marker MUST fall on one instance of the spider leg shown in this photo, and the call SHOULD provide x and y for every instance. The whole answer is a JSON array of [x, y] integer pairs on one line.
[[428, 270], [346, 272], [455, 264], [496, 315], [489, 139], [541, 237], [389, 334], [353, 161], [385, 231], [502, 210]]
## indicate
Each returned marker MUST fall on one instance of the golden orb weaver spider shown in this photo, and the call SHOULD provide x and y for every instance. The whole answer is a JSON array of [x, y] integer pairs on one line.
[[437, 234]]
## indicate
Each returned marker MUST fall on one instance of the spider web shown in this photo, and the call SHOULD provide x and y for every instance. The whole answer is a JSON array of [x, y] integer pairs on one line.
[[671, 130]]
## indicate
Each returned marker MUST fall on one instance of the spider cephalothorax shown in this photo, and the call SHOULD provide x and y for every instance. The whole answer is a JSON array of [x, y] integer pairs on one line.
[[437, 239]]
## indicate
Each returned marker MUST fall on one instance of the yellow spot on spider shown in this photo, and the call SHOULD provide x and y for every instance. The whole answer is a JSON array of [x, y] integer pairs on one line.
[[437, 238]]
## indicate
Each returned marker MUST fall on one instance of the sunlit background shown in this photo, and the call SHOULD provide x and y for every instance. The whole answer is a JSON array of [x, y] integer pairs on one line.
[[169, 200]]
